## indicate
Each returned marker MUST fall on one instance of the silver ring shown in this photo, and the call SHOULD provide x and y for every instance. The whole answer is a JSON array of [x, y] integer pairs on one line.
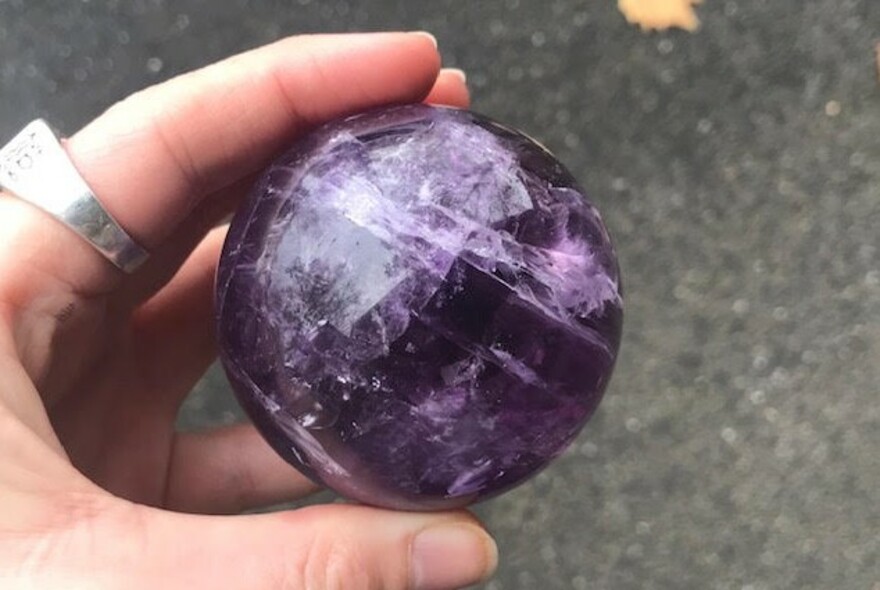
[[35, 168]]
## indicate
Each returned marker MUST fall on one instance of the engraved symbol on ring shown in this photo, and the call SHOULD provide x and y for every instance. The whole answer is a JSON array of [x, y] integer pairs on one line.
[[22, 155]]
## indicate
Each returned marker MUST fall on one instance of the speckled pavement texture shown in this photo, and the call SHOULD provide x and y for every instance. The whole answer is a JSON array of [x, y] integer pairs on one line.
[[738, 169]]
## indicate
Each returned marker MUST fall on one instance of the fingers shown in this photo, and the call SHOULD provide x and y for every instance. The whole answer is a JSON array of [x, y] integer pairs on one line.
[[450, 89], [351, 547], [229, 470], [166, 260], [152, 157]]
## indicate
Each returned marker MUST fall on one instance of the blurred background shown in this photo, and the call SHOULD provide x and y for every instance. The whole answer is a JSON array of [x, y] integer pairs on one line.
[[738, 169]]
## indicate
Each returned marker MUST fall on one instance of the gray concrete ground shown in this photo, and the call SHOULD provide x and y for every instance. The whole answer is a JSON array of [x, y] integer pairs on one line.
[[739, 171]]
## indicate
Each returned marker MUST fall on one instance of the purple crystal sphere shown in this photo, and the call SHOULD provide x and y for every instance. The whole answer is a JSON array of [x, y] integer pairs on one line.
[[418, 307]]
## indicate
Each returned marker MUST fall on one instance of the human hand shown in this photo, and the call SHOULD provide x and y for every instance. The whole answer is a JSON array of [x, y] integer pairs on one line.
[[97, 490]]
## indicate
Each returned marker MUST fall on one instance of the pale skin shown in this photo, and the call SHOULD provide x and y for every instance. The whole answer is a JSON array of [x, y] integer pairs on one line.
[[97, 489]]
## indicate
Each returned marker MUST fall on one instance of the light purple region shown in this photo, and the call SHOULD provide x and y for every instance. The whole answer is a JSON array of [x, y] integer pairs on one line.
[[418, 307]]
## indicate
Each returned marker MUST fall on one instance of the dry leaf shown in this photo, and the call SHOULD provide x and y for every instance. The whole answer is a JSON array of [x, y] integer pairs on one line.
[[660, 14]]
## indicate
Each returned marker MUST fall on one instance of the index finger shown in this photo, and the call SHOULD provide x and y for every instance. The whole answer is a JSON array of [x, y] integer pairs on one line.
[[153, 157]]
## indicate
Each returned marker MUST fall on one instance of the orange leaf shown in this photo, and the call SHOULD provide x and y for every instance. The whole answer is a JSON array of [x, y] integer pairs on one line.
[[660, 14]]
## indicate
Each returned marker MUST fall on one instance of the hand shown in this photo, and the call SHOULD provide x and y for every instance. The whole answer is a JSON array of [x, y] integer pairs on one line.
[[97, 490]]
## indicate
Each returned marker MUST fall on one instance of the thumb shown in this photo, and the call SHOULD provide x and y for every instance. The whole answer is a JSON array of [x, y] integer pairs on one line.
[[323, 547]]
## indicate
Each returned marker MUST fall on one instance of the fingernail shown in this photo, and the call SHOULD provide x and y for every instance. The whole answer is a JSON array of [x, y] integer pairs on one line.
[[457, 72], [446, 557], [428, 35]]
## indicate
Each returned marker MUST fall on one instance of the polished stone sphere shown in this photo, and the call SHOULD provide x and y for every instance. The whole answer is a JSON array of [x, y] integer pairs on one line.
[[418, 307]]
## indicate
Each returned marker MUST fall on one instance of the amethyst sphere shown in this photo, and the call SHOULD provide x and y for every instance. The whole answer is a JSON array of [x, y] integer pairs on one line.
[[418, 307]]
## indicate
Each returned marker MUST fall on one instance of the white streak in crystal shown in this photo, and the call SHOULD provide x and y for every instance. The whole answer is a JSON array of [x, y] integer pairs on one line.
[[463, 371], [471, 480], [313, 449], [517, 367]]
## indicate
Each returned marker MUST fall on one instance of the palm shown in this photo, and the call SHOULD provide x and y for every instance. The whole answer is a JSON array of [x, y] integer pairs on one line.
[[131, 354], [111, 425]]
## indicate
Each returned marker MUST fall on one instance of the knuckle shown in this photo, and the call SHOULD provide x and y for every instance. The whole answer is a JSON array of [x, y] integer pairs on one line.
[[73, 511], [332, 563]]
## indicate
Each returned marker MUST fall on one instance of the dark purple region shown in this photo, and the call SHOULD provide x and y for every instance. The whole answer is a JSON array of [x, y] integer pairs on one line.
[[418, 307]]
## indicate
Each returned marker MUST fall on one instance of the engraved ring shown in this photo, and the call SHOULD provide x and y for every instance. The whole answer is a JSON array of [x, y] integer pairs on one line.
[[35, 168]]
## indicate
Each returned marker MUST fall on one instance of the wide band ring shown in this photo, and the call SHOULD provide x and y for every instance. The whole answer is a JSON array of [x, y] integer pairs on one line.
[[35, 168]]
